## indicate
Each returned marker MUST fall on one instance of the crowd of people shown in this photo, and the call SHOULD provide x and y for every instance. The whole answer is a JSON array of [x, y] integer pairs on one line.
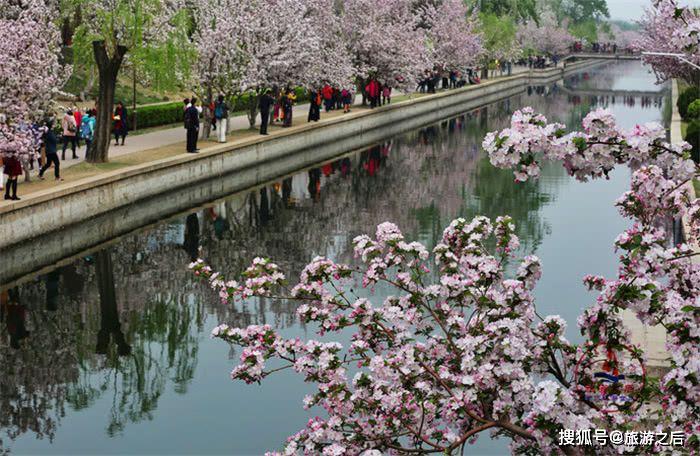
[[601, 48], [433, 80], [75, 127]]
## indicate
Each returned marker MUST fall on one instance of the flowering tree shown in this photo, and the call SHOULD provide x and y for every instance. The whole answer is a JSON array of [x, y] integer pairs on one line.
[[30, 74], [499, 37], [333, 63], [548, 37], [220, 60], [152, 33], [625, 39], [243, 48], [452, 354], [669, 27], [292, 48], [385, 41], [452, 34]]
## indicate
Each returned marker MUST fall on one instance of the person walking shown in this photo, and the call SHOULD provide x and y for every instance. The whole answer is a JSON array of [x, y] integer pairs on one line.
[[221, 116], [346, 95], [87, 129], [386, 94], [70, 129], [288, 107], [121, 121], [276, 112], [13, 169], [78, 121], [314, 106], [337, 98], [327, 93], [266, 101], [185, 104], [51, 150], [372, 90], [192, 126]]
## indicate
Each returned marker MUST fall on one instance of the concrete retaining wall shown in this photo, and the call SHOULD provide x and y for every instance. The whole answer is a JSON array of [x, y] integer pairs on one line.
[[98, 209]]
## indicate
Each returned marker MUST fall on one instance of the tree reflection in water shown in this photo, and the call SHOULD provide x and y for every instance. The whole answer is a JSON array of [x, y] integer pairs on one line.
[[76, 354]]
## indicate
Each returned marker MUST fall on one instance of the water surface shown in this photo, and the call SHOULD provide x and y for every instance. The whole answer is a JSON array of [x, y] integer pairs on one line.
[[111, 352]]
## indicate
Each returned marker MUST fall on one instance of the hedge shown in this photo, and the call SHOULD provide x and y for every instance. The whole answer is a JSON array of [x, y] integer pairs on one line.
[[694, 110], [157, 115], [685, 98], [692, 136], [171, 113]]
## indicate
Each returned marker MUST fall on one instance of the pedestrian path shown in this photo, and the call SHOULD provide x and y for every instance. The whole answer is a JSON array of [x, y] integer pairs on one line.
[[174, 135]]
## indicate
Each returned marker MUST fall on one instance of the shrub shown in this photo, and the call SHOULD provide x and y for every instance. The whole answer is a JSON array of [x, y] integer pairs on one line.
[[692, 136], [171, 113], [157, 115], [685, 98], [240, 103], [694, 110]]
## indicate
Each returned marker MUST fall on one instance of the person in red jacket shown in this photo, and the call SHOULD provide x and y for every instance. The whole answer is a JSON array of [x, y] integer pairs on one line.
[[327, 93], [372, 91]]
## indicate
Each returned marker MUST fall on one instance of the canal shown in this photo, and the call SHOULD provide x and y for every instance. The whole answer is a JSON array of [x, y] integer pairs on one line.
[[110, 351]]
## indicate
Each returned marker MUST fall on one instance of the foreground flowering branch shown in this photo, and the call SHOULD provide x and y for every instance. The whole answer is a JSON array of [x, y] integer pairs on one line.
[[460, 350]]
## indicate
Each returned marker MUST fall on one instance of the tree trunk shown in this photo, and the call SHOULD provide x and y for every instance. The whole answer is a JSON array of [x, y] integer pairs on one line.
[[252, 108], [110, 326], [207, 115], [361, 88], [108, 69], [85, 93], [27, 175]]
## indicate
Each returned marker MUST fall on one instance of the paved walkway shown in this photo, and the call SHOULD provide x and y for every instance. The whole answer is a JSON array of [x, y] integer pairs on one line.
[[169, 136]]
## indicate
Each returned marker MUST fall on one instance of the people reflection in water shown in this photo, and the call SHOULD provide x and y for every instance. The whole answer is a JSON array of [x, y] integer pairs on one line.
[[371, 160], [287, 192], [191, 242], [110, 326], [345, 166], [264, 211], [14, 315], [315, 183], [217, 216], [327, 169], [52, 281]]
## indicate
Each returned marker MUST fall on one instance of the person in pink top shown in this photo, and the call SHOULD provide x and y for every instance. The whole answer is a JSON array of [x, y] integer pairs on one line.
[[386, 94], [70, 130]]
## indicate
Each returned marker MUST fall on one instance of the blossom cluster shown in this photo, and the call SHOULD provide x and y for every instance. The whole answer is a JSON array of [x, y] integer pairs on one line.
[[656, 280], [31, 74], [588, 154], [547, 37], [669, 27], [436, 363], [242, 47]]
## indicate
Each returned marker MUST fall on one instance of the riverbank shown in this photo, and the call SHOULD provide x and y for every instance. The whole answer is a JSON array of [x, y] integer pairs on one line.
[[184, 179]]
